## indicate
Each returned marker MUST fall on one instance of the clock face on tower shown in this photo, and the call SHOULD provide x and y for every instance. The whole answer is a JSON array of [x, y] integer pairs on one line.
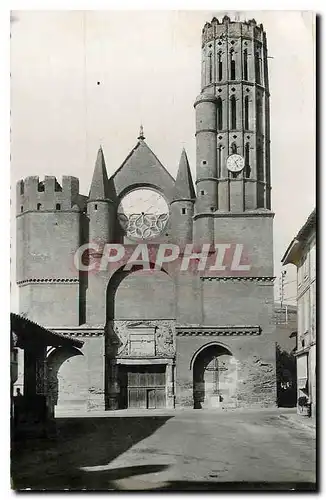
[[143, 214], [235, 163]]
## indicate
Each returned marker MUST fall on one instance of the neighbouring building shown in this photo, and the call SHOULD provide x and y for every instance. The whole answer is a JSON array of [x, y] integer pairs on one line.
[[285, 335], [302, 253], [34, 381], [285, 316], [163, 337]]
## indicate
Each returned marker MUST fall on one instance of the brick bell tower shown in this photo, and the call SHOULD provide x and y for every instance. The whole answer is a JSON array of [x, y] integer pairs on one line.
[[232, 123], [232, 208]]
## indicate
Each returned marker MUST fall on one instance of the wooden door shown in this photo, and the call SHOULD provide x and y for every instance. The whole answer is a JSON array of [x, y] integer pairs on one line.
[[151, 399], [146, 386]]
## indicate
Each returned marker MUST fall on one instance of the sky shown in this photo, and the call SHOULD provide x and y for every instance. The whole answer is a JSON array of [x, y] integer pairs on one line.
[[84, 79]]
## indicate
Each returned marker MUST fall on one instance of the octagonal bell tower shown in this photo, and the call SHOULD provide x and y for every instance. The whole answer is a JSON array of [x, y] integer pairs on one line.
[[232, 116]]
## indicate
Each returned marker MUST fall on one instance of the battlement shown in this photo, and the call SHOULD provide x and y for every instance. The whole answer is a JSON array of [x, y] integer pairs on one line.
[[226, 28], [36, 195]]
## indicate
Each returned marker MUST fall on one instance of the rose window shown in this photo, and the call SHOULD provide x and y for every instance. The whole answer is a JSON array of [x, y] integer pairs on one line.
[[143, 214]]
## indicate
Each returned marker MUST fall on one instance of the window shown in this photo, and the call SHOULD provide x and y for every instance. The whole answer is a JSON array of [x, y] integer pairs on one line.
[[259, 111], [95, 206], [300, 275], [233, 113], [219, 160], [219, 114], [260, 164], [234, 148], [220, 66], [21, 209], [15, 355], [58, 206], [258, 67], [245, 64], [306, 267], [39, 206], [210, 68], [247, 159], [246, 113], [300, 317], [40, 186], [313, 261], [202, 193], [183, 211], [21, 188], [306, 311], [313, 310], [232, 65]]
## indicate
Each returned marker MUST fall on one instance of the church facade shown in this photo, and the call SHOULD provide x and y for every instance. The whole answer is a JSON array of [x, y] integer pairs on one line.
[[164, 336]]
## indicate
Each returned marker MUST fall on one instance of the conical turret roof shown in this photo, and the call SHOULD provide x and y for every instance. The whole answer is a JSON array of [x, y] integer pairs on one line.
[[100, 186], [184, 187]]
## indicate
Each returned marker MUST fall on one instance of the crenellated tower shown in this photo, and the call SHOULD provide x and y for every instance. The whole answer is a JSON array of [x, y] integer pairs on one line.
[[49, 223], [232, 117]]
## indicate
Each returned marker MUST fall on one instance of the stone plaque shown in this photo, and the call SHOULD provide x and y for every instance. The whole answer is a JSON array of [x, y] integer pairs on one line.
[[142, 342]]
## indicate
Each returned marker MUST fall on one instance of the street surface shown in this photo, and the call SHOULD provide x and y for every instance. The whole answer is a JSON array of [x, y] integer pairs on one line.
[[186, 449]]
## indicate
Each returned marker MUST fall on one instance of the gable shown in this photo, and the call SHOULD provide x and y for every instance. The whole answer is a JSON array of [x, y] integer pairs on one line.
[[143, 169]]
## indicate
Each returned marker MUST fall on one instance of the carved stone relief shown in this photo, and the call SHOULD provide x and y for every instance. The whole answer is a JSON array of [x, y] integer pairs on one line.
[[155, 338]]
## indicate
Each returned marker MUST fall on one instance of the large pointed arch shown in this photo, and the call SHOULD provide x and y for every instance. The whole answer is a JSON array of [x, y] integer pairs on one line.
[[118, 279]]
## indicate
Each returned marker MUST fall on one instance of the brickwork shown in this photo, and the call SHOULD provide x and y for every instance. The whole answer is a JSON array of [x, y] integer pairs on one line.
[[78, 380], [256, 367]]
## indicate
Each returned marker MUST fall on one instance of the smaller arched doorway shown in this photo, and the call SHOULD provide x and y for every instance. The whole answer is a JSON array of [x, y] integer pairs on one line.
[[214, 377], [66, 382]]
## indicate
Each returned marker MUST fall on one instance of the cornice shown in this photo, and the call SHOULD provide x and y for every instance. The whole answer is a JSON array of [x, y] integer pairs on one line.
[[224, 331], [145, 357], [227, 83], [205, 130], [229, 179], [264, 279], [48, 280], [79, 331], [218, 214], [50, 211]]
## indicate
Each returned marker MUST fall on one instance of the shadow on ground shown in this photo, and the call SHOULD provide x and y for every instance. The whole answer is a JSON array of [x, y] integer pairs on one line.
[[56, 464], [235, 486]]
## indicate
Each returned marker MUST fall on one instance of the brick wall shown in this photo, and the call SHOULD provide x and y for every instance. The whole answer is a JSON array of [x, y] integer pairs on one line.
[[81, 378]]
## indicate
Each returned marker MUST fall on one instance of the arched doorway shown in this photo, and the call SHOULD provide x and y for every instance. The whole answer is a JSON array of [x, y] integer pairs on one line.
[[66, 379], [214, 377]]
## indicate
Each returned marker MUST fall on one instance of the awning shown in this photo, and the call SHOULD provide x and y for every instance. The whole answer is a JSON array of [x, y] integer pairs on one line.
[[28, 332]]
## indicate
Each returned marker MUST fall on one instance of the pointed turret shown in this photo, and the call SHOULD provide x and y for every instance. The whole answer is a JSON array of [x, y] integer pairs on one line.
[[182, 205], [184, 187], [100, 183], [100, 204]]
